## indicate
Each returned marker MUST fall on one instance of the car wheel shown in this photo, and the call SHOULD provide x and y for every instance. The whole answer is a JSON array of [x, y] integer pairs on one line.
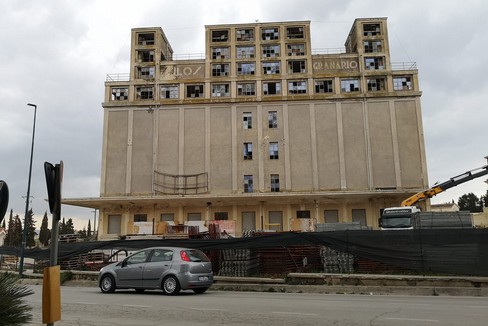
[[171, 286], [107, 284], [200, 290]]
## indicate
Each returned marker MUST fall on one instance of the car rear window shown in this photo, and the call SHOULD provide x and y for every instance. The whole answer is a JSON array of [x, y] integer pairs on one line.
[[196, 255]]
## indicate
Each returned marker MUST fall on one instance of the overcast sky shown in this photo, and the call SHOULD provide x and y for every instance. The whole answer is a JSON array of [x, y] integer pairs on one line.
[[56, 54]]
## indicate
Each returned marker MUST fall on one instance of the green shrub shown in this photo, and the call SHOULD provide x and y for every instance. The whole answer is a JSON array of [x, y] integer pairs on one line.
[[13, 310]]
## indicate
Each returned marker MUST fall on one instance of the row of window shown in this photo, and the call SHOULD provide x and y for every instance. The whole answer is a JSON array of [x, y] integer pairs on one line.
[[249, 51], [273, 151], [274, 183], [248, 34], [272, 120], [321, 86]]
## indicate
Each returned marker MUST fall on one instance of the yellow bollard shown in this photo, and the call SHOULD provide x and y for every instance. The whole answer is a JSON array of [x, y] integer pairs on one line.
[[51, 295]]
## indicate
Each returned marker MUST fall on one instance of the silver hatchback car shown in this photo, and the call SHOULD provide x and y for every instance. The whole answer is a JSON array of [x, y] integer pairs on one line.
[[170, 269]]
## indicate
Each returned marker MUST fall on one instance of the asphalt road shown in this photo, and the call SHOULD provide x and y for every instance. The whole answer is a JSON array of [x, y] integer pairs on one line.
[[88, 306]]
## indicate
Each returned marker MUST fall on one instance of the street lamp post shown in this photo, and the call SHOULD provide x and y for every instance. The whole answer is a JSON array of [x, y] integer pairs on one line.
[[24, 233]]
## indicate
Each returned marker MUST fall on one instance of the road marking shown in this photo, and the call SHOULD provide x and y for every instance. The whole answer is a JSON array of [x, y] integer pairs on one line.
[[413, 319], [293, 313], [136, 306]]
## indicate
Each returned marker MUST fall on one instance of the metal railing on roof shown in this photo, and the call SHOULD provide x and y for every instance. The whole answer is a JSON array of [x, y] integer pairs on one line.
[[403, 66], [118, 77], [329, 51], [189, 56]]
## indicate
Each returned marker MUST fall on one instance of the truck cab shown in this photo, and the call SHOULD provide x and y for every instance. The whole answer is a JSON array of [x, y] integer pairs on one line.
[[398, 218]]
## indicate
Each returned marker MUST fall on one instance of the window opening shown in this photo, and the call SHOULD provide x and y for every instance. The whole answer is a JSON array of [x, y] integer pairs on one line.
[[220, 53], [273, 150], [248, 183], [331, 216], [170, 91], [272, 88], [167, 217], [294, 33], [246, 34], [324, 86], [220, 36], [248, 151], [349, 85], [371, 29], [245, 68], [220, 90], [275, 183], [120, 93], [246, 89], [402, 83], [220, 69], [268, 34], [270, 51], [221, 216], [145, 55], [272, 119], [296, 66], [194, 91], [373, 46], [297, 87], [145, 39], [374, 63], [144, 93], [140, 217], [145, 72], [295, 50], [245, 52], [376, 84], [247, 120], [271, 68]]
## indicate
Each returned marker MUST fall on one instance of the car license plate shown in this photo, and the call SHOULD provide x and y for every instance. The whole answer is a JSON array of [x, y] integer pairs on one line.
[[203, 278]]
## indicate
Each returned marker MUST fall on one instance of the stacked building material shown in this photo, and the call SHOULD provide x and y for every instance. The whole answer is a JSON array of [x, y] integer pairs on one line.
[[336, 262], [238, 262]]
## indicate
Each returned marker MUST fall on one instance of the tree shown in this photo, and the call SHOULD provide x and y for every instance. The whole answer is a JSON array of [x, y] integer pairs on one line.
[[13, 309], [89, 232], [82, 233], [9, 235], [70, 227], [44, 233], [470, 202], [31, 229], [16, 236], [62, 227]]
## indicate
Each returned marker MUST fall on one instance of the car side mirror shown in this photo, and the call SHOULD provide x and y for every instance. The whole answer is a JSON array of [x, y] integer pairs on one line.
[[124, 263]]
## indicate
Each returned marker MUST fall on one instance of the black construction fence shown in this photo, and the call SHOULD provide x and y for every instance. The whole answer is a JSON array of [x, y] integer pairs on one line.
[[441, 251]]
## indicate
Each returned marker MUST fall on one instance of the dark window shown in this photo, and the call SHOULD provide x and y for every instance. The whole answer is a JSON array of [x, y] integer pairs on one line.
[[248, 151], [324, 86], [140, 217], [220, 36], [294, 32], [275, 183], [194, 91], [245, 35], [268, 34], [145, 39], [248, 183]]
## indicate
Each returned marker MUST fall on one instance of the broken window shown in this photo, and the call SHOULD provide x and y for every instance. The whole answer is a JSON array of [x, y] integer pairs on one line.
[[270, 51], [248, 183], [145, 55], [275, 183], [294, 32], [145, 39], [246, 34], [324, 86], [374, 63], [376, 84], [245, 52], [272, 88], [194, 91], [220, 69], [170, 91], [271, 68], [297, 87], [272, 119], [373, 46], [296, 66], [295, 49], [245, 68], [247, 151], [145, 72], [246, 89], [220, 53], [350, 85], [120, 93], [220, 90], [273, 150], [371, 29], [144, 92], [247, 120], [221, 216], [220, 36], [268, 34], [403, 83]]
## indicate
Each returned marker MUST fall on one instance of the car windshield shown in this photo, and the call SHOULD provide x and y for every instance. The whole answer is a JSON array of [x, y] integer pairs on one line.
[[196, 255], [396, 221]]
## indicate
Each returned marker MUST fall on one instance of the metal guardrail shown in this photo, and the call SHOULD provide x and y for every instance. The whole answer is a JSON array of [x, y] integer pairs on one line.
[[403, 66], [189, 56], [329, 51], [118, 77], [171, 184]]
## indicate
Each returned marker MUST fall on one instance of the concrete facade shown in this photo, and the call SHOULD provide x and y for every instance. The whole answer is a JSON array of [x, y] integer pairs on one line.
[[261, 130]]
